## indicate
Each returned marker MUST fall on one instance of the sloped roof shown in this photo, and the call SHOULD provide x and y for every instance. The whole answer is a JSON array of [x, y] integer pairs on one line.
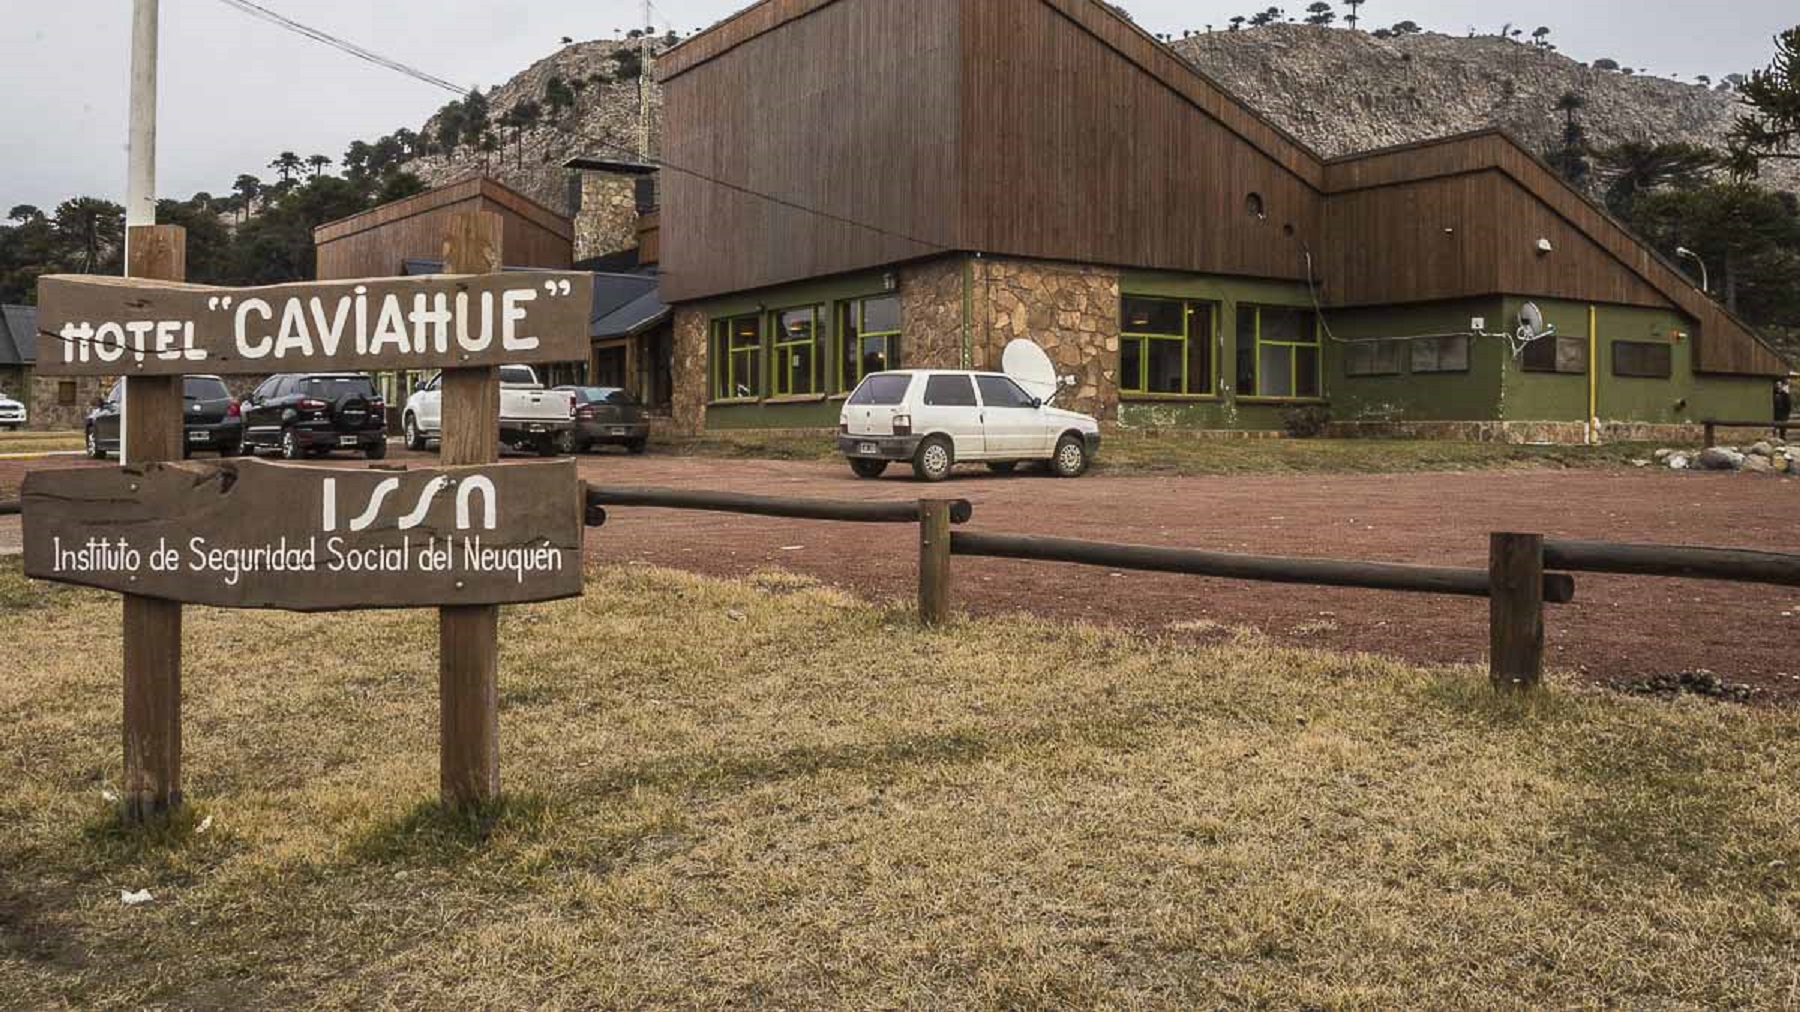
[[624, 304], [18, 335]]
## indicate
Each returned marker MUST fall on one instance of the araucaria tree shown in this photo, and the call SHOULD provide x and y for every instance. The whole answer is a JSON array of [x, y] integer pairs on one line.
[[1771, 127], [1570, 158], [1353, 17], [1319, 13]]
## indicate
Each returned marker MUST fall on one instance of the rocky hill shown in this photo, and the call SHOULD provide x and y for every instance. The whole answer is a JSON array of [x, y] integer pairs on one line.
[[1341, 91], [603, 123]]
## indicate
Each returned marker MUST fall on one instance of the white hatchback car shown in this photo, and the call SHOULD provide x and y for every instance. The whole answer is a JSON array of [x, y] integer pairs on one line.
[[937, 418]]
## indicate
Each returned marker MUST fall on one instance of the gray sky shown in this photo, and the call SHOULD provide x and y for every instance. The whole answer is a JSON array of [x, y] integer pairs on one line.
[[236, 91]]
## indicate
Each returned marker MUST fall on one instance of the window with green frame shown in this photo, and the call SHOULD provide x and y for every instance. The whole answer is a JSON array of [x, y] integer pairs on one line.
[[1165, 346], [799, 340], [736, 358], [868, 338], [1277, 352]]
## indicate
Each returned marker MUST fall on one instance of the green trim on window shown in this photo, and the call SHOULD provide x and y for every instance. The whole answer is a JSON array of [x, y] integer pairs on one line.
[[786, 349], [736, 365], [850, 361], [1257, 344], [1143, 340]]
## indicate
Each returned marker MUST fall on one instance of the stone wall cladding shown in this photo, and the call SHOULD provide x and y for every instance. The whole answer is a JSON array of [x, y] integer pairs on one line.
[[1517, 433], [49, 415], [931, 314], [607, 221], [1071, 310], [688, 370]]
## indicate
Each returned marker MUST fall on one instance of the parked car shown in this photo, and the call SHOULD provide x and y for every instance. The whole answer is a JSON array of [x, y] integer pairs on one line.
[[12, 413], [606, 416], [936, 418], [531, 418], [210, 419], [312, 414]]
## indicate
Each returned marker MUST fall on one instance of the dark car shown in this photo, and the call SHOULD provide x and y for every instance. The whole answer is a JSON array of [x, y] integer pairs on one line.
[[606, 416], [210, 419], [312, 414]]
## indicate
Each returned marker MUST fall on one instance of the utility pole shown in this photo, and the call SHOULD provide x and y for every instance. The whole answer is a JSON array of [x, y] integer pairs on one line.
[[140, 184], [644, 86]]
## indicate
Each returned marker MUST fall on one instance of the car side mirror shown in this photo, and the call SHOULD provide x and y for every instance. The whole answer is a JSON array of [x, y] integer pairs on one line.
[[1037, 402]]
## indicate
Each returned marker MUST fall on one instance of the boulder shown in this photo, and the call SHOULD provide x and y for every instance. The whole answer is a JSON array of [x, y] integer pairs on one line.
[[1721, 458], [1678, 462], [1762, 449], [1663, 454], [1758, 463]]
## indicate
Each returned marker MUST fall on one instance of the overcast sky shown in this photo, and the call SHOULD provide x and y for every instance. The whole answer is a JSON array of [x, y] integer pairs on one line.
[[236, 91]]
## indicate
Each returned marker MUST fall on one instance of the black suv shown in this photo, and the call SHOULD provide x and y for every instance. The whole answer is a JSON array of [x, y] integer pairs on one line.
[[312, 414], [209, 419]]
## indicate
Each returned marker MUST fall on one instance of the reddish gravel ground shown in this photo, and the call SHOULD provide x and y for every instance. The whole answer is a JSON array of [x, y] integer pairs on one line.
[[1619, 628]]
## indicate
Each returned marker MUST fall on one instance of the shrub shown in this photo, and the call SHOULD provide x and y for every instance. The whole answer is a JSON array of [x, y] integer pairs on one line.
[[1307, 422]]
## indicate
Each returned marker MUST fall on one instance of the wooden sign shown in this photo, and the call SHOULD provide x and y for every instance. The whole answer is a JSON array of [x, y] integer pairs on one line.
[[90, 325], [255, 534]]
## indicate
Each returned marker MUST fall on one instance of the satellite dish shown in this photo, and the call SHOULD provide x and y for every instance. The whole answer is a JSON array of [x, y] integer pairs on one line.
[[1029, 367], [1531, 323]]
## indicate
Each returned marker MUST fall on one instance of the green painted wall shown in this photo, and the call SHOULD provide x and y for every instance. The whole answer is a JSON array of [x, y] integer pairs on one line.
[[796, 413], [1684, 397], [1225, 409], [1472, 395]]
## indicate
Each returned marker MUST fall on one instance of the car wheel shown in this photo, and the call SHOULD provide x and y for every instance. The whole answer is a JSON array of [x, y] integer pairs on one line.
[[865, 468], [566, 443], [637, 446], [290, 446], [1003, 466], [93, 445], [933, 459], [376, 451], [1071, 458]]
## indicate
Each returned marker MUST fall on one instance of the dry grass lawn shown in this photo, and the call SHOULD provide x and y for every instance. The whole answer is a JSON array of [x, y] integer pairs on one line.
[[31, 441], [764, 793]]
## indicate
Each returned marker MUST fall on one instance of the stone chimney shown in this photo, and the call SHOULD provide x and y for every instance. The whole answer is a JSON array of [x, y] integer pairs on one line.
[[609, 197]]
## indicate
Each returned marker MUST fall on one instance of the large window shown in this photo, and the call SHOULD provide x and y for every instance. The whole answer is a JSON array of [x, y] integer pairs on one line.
[[1556, 354], [1642, 359], [868, 338], [737, 358], [1165, 346], [1441, 354], [799, 343], [1277, 352]]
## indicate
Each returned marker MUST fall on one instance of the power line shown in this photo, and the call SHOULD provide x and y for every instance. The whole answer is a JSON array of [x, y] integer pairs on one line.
[[256, 10], [263, 13]]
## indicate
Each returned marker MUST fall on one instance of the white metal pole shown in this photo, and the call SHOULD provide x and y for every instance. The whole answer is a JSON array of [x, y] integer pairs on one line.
[[140, 181]]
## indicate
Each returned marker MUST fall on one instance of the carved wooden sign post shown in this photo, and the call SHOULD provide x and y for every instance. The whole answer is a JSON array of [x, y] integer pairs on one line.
[[250, 534], [465, 537]]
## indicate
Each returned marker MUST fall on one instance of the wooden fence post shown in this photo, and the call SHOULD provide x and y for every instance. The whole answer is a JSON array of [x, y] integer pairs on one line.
[[1515, 611], [934, 561], [1711, 434], [469, 636], [152, 432]]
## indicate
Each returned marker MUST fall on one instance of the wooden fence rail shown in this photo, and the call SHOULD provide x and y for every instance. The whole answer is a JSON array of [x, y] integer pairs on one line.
[[1737, 565], [1558, 588], [1713, 425], [848, 511], [9, 507]]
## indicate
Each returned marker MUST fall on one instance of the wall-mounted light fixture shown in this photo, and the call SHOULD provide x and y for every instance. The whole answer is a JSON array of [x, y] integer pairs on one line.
[[1544, 246]]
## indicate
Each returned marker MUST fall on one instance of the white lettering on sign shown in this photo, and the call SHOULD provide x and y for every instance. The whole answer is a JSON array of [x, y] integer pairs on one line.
[[275, 330], [465, 496], [335, 555]]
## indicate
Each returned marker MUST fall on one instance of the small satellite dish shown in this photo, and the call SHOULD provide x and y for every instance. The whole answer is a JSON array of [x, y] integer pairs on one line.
[[1030, 367], [1531, 322]]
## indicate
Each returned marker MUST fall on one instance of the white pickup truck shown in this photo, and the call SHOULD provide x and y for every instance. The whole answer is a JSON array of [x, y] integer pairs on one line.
[[531, 418]]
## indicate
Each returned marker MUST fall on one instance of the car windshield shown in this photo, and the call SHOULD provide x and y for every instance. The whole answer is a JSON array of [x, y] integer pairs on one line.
[[517, 376], [882, 388], [204, 388], [332, 388], [604, 395]]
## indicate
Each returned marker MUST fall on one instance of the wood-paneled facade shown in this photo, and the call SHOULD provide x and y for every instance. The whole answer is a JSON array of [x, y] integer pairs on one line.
[[883, 134], [378, 242]]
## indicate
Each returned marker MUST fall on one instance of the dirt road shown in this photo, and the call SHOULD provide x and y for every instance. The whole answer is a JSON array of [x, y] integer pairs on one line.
[[1619, 628]]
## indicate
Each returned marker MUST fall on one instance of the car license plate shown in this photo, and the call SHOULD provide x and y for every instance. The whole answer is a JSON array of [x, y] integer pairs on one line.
[[346, 440], [620, 430], [199, 437], [867, 448]]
